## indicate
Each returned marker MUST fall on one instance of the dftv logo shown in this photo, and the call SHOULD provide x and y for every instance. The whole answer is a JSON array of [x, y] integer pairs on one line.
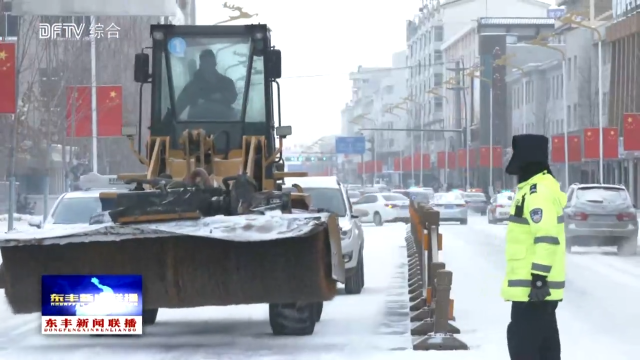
[[61, 31]]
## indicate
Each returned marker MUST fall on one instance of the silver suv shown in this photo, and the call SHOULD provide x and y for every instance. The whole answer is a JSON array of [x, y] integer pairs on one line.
[[601, 215]]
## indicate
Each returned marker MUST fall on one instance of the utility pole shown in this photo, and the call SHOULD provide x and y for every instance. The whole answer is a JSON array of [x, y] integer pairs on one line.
[[459, 90]]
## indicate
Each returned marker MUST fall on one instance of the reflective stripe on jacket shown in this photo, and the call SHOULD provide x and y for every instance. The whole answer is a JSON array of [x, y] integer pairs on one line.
[[535, 238]]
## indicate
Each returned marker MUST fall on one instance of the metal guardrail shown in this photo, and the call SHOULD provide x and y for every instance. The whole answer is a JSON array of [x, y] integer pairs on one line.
[[431, 306]]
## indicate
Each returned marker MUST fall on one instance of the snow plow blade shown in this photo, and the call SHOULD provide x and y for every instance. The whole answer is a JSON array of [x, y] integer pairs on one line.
[[245, 259]]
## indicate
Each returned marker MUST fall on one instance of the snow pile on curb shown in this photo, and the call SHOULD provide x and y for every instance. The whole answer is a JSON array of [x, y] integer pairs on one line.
[[18, 217]]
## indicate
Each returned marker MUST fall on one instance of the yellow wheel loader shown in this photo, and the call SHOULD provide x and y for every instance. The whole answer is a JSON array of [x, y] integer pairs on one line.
[[207, 223]]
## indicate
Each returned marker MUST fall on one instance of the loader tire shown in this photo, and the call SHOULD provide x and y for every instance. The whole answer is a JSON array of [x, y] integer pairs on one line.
[[293, 319], [318, 311], [149, 316]]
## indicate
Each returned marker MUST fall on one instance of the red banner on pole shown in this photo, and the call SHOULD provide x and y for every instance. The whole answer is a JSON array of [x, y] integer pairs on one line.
[[575, 149], [609, 143], [451, 160], [462, 158], [473, 158], [497, 156], [79, 111], [360, 168], [396, 164], [557, 149], [406, 164], [8, 78], [484, 158], [631, 135], [442, 160], [109, 103]]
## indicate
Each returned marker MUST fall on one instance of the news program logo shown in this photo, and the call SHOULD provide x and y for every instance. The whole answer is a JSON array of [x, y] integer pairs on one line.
[[92, 304]]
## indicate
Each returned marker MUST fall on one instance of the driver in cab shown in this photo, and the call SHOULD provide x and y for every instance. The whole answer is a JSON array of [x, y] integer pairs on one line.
[[209, 94]]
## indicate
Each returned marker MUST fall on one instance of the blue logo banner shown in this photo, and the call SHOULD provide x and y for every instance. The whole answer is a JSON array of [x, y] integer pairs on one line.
[[92, 295]]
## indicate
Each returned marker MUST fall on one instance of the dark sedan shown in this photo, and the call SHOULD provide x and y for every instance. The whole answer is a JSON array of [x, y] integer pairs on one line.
[[476, 202]]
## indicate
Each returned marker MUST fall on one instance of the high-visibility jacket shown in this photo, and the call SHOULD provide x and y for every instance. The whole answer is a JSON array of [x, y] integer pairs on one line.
[[535, 238]]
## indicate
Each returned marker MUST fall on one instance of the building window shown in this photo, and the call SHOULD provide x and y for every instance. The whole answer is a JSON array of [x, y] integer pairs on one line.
[[605, 103], [437, 80], [437, 103], [575, 67], [561, 87], [8, 22], [438, 34], [569, 69], [569, 123], [437, 56]]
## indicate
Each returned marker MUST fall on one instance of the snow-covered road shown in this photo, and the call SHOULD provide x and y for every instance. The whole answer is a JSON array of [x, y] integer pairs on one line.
[[351, 326], [598, 319]]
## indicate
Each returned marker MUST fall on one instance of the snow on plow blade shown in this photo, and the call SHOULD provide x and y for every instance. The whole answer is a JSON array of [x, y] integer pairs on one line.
[[212, 261]]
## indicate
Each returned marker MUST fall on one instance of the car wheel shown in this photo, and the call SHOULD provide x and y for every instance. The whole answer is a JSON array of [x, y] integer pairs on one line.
[[353, 284], [628, 246], [377, 219], [568, 245], [293, 319]]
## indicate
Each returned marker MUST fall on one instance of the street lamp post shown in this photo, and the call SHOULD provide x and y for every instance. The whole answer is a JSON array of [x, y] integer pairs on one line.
[[543, 42], [434, 93], [571, 19], [472, 73], [357, 120]]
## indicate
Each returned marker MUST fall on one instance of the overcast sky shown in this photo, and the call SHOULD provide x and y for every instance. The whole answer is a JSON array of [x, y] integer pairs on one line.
[[321, 42]]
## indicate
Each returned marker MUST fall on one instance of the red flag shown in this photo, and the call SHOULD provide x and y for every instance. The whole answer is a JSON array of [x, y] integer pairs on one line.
[[81, 122], [417, 164], [360, 168], [109, 110], [557, 149], [497, 156], [575, 149], [591, 143], [426, 161], [462, 158], [473, 158], [396, 164], [406, 164], [376, 166], [7, 78], [442, 160], [631, 134], [609, 143], [485, 160], [451, 160]]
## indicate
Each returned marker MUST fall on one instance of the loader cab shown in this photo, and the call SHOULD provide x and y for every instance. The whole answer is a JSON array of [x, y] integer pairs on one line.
[[215, 78]]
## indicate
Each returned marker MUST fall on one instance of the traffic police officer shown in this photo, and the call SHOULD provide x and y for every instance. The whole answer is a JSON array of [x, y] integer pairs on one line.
[[535, 252]]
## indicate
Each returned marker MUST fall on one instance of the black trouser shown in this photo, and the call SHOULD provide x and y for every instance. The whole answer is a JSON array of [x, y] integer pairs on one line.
[[532, 333]]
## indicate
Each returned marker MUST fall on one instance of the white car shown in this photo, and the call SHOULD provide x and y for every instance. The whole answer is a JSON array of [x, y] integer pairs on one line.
[[75, 207], [353, 195], [384, 207], [500, 207], [329, 195], [451, 206]]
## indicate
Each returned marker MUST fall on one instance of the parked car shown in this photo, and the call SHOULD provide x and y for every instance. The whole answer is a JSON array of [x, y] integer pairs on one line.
[[384, 207], [328, 194], [601, 215], [75, 207], [353, 195], [476, 201], [499, 207], [417, 195], [451, 206]]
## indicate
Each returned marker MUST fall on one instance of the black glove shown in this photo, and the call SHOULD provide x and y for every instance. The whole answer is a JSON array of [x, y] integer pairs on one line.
[[539, 288]]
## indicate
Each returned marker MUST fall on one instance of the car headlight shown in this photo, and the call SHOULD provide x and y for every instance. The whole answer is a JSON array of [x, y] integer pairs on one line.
[[345, 233]]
